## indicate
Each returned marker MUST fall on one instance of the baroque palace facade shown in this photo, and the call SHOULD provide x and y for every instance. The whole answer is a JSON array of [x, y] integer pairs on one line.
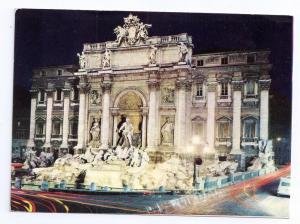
[[217, 102]]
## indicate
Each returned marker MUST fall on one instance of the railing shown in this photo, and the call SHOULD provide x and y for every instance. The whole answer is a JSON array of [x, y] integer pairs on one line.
[[199, 98], [226, 139], [56, 136], [71, 136], [40, 135], [250, 139], [174, 39], [251, 96], [58, 101], [94, 46], [213, 183]]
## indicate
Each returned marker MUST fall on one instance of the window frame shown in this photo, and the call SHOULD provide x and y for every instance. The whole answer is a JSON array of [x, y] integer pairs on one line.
[[54, 134], [42, 93], [38, 128], [250, 135], [226, 90], [224, 61], [200, 62]]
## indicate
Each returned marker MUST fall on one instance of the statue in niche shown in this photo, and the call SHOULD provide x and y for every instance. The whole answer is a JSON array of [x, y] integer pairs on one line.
[[183, 51], [106, 59], [94, 97], [127, 132], [152, 55], [167, 132], [168, 95], [95, 133], [82, 60]]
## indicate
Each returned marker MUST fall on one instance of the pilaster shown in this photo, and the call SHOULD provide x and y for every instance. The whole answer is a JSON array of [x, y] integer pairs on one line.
[[50, 92], [64, 144], [105, 122], [237, 85], [264, 108], [32, 117], [211, 107], [180, 121], [83, 89], [152, 136]]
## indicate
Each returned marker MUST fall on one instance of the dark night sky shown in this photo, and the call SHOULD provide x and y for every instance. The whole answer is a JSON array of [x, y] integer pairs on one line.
[[53, 37]]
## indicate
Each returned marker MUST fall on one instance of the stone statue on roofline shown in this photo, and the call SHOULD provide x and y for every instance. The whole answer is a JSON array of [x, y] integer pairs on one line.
[[106, 59], [121, 34], [183, 52], [152, 55], [82, 60]]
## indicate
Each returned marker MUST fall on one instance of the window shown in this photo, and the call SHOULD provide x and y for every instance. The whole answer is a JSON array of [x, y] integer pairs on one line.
[[198, 129], [59, 72], [250, 87], [41, 96], [224, 89], [224, 129], [56, 126], [199, 90], [224, 61], [250, 59], [39, 131], [73, 128], [43, 73], [200, 63], [58, 94], [250, 128]]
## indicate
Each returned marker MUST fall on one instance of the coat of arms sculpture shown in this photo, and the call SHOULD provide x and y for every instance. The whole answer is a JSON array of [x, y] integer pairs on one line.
[[133, 31]]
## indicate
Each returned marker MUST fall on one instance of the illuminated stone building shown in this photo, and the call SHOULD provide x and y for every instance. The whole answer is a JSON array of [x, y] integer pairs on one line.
[[215, 103]]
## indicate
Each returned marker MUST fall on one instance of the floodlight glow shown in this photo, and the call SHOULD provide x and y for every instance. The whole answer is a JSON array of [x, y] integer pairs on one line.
[[196, 140]]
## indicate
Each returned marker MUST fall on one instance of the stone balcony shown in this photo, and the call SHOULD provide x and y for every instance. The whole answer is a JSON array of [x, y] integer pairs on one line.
[[157, 40], [249, 141], [56, 136], [40, 137], [223, 141], [250, 100]]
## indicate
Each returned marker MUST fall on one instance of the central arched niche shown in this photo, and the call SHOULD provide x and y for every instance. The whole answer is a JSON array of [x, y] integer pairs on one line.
[[130, 101], [130, 106]]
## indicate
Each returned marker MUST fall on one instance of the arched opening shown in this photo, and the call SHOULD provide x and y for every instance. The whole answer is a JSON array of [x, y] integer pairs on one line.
[[129, 105]]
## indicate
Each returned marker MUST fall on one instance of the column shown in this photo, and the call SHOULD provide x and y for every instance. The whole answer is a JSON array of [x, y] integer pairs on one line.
[[264, 109], [152, 118], [106, 88], [83, 88], [64, 144], [236, 123], [211, 107], [49, 118], [32, 118], [115, 114], [144, 127], [189, 134], [180, 123]]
